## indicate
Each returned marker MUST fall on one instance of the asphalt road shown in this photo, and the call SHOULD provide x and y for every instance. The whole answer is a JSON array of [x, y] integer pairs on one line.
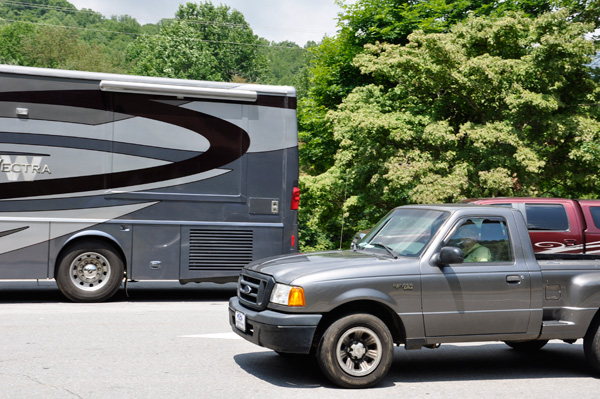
[[171, 341]]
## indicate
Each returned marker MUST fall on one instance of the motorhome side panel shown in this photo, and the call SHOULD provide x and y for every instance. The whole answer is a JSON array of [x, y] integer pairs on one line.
[[228, 217], [55, 137], [174, 187]]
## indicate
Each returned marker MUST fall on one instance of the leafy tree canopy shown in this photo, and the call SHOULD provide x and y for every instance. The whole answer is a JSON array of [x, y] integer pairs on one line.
[[219, 37], [334, 76], [34, 10], [502, 105], [287, 64], [203, 42], [47, 46], [80, 39]]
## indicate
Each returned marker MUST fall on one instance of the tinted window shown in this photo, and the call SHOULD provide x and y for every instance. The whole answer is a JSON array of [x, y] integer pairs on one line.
[[546, 217], [595, 210]]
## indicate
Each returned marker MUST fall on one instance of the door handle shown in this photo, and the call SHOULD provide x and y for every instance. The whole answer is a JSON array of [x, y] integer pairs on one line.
[[514, 279], [570, 241]]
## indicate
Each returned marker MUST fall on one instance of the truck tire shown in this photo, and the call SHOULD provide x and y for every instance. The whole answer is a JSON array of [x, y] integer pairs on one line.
[[527, 346], [90, 271], [591, 346], [356, 351]]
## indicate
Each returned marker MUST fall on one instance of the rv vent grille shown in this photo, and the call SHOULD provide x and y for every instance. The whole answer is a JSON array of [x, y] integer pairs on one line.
[[220, 249]]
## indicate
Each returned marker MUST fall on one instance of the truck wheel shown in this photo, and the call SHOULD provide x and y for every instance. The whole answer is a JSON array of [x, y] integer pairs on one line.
[[90, 271], [527, 346], [591, 346], [356, 351]]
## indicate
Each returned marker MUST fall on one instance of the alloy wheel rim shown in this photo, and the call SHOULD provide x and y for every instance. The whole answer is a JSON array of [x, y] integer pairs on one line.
[[358, 351]]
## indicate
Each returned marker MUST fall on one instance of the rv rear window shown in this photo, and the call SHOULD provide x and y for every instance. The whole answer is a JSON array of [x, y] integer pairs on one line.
[[546, 217]]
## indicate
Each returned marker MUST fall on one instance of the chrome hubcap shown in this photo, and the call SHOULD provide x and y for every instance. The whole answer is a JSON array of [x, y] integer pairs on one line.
[[90, 271], [359, 351]]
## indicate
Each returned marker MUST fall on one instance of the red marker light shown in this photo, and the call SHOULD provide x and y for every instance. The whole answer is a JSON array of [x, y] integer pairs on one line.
[[295, 198]]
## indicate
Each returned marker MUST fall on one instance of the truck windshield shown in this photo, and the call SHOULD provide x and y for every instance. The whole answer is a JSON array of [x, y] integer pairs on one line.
[[404, 232]]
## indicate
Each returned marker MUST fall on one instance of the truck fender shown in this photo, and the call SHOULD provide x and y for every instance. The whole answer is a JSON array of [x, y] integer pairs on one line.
[[369, 301], [584, 290], [363, 294]]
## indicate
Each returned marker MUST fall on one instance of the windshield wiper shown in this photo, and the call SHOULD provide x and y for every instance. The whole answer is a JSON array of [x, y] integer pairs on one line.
[[388, 249]]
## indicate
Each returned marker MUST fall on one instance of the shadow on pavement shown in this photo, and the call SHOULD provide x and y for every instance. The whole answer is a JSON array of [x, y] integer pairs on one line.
[[283, 371], [46, 291], [494, 361], [484, 362]]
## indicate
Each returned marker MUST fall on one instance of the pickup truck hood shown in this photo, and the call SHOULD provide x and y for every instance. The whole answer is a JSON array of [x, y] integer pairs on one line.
[[329, 265]]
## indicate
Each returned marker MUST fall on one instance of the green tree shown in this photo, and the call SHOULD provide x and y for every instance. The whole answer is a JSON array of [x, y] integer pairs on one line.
[[203, 42], [57, 47], [286, 64], [84, 38], [34, 10], [11, 42], [334, 76], [496, 106]]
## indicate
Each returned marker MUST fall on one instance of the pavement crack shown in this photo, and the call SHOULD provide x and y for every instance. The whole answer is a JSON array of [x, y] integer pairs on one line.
[[39, 382]]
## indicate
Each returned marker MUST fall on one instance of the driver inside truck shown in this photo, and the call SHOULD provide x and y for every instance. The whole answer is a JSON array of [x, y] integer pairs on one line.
[[469, 237]]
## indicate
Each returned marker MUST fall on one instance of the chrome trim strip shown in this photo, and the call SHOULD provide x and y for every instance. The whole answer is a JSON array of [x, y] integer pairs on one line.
[[176, 90]]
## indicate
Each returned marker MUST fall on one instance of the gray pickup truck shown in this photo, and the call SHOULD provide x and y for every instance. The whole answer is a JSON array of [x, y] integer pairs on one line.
[[423, 276]]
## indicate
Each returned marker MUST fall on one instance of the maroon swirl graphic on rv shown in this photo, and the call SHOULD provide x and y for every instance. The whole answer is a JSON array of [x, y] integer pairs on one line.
[[228, 142]]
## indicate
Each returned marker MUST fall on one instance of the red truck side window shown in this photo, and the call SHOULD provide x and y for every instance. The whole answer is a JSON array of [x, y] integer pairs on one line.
[[595, 211], [547, 217]]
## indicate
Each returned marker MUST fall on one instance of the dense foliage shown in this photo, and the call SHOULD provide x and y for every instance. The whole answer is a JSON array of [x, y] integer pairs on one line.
[[334, 76], [202, 41], [54, 34], [501, 103]]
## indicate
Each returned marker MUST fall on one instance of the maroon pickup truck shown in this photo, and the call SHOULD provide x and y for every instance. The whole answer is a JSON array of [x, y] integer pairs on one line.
[[557, 225]]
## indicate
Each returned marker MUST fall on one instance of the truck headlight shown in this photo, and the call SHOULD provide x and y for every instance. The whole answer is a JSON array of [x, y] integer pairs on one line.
[[288, 295]]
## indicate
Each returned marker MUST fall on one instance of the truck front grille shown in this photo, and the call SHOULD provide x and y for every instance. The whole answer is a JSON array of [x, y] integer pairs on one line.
[[254, 289]]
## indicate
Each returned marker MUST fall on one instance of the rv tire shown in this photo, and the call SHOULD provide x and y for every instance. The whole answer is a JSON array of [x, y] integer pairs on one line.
[[90, 271]]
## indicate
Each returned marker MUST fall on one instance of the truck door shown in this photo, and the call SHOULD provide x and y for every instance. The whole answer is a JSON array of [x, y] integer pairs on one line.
[[487, 294]]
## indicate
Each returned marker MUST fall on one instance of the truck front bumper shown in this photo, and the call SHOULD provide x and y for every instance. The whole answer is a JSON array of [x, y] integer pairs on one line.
[[282, 332]]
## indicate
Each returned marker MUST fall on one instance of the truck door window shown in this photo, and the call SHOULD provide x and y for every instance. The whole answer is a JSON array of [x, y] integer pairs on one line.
[[482, 240], [546, 217]]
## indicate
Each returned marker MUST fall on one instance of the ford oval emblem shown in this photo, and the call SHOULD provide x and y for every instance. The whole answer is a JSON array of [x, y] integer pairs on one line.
[[246, 289]]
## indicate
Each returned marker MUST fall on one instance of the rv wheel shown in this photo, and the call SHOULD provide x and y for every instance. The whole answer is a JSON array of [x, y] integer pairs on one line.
[[90, 271]]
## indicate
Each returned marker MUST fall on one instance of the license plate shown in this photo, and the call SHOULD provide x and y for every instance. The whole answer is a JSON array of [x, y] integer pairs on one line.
[[240, 321]]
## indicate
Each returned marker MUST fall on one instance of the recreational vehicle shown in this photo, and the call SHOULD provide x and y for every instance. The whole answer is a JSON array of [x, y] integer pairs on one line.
[[108, 178]]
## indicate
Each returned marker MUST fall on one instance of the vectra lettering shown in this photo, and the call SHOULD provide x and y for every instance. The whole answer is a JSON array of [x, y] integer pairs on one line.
[[22, 166]]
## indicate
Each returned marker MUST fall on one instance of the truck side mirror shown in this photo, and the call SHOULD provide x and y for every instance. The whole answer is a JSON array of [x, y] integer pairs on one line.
[[357, 237], [449, 255]]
